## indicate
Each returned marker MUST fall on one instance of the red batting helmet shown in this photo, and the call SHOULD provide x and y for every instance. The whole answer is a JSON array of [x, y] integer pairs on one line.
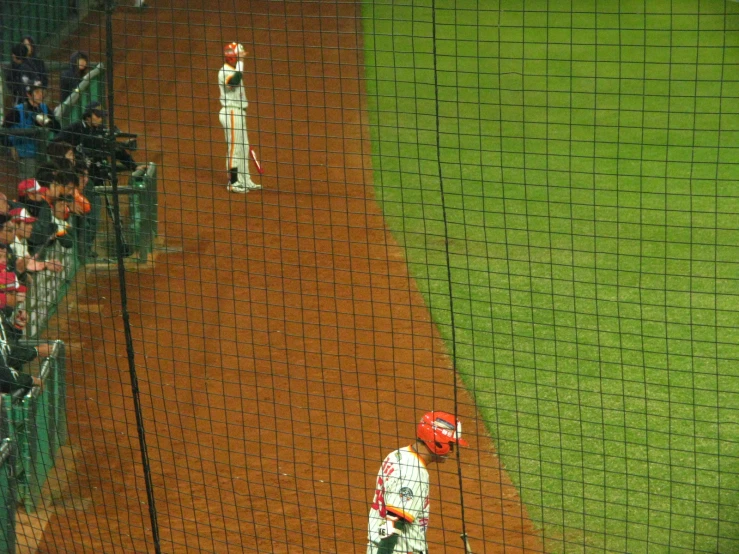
[[231, 52], [438, 430]]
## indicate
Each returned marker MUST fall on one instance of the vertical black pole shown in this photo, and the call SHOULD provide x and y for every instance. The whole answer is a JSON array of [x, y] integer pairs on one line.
[[109, 9], [453, 322]]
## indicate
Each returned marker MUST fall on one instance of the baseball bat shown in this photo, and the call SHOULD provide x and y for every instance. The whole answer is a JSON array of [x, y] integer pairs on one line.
[[467, 547], [256, 161]]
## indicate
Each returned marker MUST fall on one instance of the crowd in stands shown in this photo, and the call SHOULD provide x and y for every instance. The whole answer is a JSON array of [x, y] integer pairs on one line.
[[56, 206]]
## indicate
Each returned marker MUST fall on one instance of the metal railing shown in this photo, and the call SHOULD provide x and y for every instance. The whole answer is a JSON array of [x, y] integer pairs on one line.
[[48, 288], [138, 194], [8, 489]]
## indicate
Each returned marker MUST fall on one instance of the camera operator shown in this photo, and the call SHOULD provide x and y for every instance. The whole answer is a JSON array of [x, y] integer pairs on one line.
[[89, 137]]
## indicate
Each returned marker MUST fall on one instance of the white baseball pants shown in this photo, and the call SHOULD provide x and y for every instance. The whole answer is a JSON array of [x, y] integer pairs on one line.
[[234, 126]]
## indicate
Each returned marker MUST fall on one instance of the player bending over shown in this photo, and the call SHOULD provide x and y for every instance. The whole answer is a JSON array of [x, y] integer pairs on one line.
[[400, 509], [233, 118]]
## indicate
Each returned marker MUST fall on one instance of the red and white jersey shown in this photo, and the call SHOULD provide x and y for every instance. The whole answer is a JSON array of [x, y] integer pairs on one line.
[[232, 97], [402, 490]]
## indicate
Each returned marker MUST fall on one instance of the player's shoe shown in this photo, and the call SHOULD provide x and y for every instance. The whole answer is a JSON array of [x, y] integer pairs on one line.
[[237, 187], [251, 185]]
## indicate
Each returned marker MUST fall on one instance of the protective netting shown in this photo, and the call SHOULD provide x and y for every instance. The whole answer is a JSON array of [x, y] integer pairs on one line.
[[249, 245]]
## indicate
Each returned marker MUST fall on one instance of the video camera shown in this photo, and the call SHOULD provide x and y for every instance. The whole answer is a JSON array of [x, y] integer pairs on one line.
[[96, 154], [126, 141], [129, 140]]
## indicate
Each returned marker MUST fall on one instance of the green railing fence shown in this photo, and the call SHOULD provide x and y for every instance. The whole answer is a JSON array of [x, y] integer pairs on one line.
[[8, 490], [37, 424], [138, 194]]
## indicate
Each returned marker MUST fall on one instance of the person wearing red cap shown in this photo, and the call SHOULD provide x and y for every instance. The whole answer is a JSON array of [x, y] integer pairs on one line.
[[23, 228], [12, 323], [12, 293], [9, 237], [34, 197], [31, 191]]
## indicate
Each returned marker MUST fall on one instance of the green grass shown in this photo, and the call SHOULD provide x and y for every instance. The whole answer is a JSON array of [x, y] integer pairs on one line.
[[590, 163]]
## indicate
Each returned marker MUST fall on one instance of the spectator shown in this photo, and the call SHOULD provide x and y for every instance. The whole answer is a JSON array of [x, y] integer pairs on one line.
[[14, 239], [20, 74], [4, 257], [7, 237], [32, 196], [33, 234], [33, 113], [63, 183], [5, 207], [37, 64], [12, 323], [23, 222], [61, 153], [87, 222], [11, 380], [70, 183], [88, 134], [61, 210], [71, 77]]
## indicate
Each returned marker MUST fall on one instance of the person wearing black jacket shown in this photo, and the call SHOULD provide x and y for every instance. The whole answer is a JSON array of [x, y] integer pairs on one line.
[[11, 294], [71, 77], [12, 323], [20, 74], [37, 64]]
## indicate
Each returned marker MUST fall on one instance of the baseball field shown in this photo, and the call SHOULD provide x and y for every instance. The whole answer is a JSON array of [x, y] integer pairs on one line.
[[519, 211], [281, 347]]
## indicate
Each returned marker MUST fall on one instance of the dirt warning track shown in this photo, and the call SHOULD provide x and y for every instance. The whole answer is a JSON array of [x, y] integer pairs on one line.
[[282, 348]]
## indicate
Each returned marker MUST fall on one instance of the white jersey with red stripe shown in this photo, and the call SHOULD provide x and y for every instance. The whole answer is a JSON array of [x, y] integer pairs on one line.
[[232, 96], [403, 491]]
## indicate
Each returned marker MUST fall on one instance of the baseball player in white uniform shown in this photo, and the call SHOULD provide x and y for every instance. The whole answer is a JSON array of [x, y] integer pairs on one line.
[[400, 509], [233, 118]]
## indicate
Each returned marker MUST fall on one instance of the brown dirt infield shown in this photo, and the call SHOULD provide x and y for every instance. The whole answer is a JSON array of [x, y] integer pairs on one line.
[[284, 350]]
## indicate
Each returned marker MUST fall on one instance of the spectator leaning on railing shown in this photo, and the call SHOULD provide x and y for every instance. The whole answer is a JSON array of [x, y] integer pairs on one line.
[[61, 210], [32, 195], [12, 293], [13, 321], [24, 223], [88, 203], [19, 266], [40, 200]]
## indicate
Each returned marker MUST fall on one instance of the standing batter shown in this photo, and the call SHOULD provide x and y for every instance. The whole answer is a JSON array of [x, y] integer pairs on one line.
[[233, 118], [400, 509]]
